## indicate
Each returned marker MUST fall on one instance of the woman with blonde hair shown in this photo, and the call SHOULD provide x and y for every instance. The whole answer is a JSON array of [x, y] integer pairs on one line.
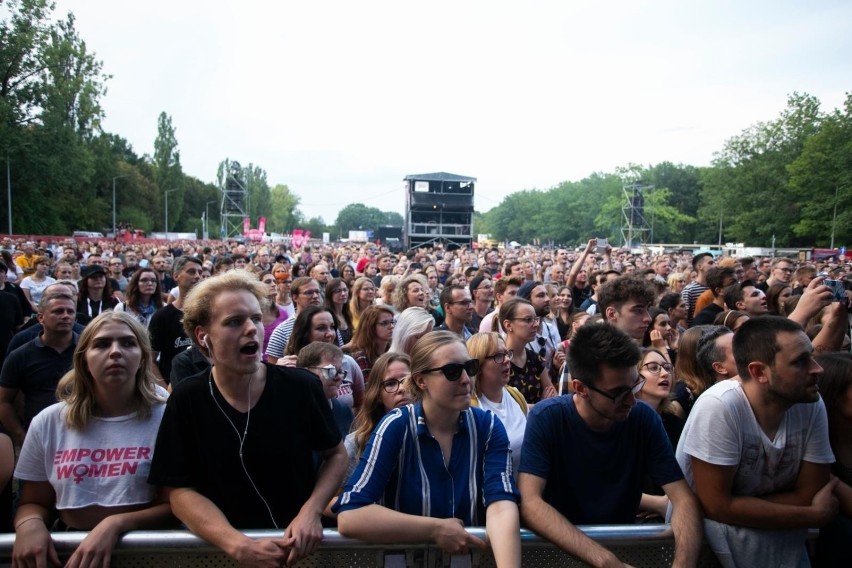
[[88, 455], [433, 493], [411, 325], [363, 295], [492, 390]]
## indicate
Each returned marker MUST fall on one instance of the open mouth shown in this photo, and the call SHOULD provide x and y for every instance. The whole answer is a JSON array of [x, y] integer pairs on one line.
[[249, 348], [664, 384]]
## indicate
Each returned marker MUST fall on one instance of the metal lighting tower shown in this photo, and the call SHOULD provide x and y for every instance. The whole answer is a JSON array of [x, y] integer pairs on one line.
[[634, 229], [234, 202]]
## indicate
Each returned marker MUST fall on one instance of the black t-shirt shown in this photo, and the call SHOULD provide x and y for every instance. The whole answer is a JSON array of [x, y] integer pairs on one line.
[[198, 446], [580, 295], [167, 337], [35, 370]]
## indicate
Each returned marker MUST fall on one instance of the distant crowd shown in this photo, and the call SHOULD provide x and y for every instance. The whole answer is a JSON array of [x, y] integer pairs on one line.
[[402, 397]]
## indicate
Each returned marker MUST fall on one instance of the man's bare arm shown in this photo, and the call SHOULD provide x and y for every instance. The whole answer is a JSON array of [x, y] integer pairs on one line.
[[547, 522], [686, 523], [713, 487]]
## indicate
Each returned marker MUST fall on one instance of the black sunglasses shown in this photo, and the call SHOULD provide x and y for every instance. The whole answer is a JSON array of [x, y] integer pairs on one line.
[[453, 371], [622, 393]]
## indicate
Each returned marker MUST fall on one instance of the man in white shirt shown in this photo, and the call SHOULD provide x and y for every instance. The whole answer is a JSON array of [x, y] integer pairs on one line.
[[756, 451]]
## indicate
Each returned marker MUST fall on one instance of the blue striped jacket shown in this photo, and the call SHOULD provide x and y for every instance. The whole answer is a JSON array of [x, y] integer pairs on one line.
[[402, 467]]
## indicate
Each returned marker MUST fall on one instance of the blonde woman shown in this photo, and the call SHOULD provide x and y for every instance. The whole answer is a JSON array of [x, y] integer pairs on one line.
[[437, 465], [88, 456]]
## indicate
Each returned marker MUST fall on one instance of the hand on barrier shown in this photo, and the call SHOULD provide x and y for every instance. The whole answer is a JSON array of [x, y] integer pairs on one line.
[[96, 549], [263, 553], [303, 536], [33, 546], [450, 535]]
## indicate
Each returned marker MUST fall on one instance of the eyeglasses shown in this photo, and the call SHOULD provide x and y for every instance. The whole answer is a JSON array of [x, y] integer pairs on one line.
[[529, 320], [464, 303], [622, 394], [386, 323], [654, 368], [330, 372], [392, 385], [309, 293], [501, 356], [453, 371], [147, 280]]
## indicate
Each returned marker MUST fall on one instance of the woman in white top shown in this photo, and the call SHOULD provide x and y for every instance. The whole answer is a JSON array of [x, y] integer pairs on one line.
[[88, 456], [34, 285], [492, 392]]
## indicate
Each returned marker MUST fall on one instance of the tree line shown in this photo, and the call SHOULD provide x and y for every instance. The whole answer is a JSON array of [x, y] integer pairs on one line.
[[789, 178]]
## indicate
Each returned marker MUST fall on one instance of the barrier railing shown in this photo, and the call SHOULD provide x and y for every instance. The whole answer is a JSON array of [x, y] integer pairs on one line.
[[638, 545]]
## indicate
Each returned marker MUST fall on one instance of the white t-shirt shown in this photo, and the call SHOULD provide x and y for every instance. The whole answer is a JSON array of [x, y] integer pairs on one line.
[[36, 288], [514, 420], [106, 464], [723, 430]]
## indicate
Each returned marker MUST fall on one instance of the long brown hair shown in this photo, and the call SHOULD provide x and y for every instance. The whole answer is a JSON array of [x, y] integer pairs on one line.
[[364, 337], [372, 410]]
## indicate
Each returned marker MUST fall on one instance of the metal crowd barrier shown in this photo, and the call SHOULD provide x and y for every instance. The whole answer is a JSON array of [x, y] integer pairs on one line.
[[638, 545]]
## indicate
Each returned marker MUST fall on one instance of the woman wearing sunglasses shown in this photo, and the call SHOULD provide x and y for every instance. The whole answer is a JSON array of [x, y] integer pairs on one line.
[[528, 373], [492, 390], [437, 465]]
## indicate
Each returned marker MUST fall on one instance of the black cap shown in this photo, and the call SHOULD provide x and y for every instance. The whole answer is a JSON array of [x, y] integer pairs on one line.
[[474, 284], [92, 270]]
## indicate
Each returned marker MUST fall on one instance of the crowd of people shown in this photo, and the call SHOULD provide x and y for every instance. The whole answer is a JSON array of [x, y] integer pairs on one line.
[[405, 397]]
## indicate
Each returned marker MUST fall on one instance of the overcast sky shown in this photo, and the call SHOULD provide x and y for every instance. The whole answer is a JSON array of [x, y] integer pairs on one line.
[[341, 100]]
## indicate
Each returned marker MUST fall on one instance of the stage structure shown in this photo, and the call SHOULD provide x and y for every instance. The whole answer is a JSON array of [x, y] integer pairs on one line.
[[635, 230], [234, 202], [439, 209]]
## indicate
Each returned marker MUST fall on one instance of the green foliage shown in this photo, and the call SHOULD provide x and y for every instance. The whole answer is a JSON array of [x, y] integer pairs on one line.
[[283, 213], [821, 180], [359, 217], [783, 178]]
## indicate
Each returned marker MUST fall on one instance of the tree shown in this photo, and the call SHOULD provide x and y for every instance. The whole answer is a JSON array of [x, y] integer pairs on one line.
[[167, 169], [750, 178], [359, 217], [283, 209], [821, 180]]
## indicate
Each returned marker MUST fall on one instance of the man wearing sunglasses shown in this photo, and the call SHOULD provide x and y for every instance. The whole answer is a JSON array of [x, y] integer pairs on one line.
[[585, 456]]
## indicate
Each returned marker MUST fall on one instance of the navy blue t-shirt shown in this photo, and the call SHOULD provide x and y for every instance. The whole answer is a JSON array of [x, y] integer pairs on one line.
[[596, 477]]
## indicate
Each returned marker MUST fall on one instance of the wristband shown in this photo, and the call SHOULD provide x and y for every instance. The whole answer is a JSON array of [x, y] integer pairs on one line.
[[28, 519]]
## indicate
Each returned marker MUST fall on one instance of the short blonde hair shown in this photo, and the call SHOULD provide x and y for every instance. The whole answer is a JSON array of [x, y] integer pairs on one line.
[[479, 345], [199, 302]]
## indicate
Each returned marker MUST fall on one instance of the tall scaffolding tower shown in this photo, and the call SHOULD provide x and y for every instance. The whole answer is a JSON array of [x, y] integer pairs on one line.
[[234, 202], [634, 229]]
